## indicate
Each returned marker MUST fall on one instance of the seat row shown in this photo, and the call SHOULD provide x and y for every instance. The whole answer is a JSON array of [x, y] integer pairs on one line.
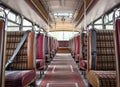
[[24, 52], [98, 56]]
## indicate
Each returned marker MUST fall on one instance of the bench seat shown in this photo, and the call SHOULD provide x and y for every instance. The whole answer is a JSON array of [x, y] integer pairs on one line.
[[102, 78], [19, 78]]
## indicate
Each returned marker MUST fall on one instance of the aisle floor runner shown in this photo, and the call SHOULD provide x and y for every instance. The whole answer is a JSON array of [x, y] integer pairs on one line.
[[62, 72]]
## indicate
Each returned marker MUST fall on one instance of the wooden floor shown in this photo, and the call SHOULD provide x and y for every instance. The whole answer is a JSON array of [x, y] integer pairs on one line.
[[62, 72]]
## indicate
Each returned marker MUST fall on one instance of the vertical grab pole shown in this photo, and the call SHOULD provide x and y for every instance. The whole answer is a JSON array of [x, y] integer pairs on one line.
[[84, 14]]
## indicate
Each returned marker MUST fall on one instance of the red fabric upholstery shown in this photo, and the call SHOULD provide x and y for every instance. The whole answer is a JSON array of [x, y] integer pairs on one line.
[[19, 78], [83, 64], [77, 50], [78, 45], [118, 49], [40, 62], [41, 53]]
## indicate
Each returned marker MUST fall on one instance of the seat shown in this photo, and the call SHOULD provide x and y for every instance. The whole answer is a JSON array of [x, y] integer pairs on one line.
[[21, 72], [83, 58], [47, 52], [40, 59], [77, 49], [2, 32], [19, 78], [102, 78], [101, 59], [51, 44], [118, 50]]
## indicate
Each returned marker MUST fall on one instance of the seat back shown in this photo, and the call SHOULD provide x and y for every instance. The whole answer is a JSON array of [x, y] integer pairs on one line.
[[118, 51], [2, 31], [25, 57], [105, 50], [84, 46], [78, 45], [46, 45], [41, 47]]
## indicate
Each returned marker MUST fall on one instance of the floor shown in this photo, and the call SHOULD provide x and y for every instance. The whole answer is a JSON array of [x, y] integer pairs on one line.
[[62, 72]]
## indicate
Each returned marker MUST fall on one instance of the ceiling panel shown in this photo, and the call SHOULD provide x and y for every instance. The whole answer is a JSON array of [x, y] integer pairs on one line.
[[62, 6]]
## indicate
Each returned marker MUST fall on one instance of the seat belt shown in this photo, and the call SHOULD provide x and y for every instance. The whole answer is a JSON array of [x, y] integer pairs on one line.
[[17, 49], [94, 54]]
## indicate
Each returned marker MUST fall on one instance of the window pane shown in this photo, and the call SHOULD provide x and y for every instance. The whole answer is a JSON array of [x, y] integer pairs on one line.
[[98, 27], [18, 19], [109, 27], [26, 23], [27, 28], [12, 28], [1, 14], [63, 35], [11, 16], [111, 16], [11, 24], [99, 21]]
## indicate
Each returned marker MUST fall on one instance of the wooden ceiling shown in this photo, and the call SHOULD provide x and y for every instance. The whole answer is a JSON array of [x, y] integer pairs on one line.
[[47, 8]]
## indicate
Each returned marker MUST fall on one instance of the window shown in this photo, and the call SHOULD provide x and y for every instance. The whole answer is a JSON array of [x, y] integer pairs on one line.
[[98, 24], [12, 26], [99, 21], [26, 22], [27, 25], [2, 14], [63, 35], [12, 16], [108, 21]]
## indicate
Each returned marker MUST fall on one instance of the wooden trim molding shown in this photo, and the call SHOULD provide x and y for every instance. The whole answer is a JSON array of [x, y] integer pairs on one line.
[[37, 6], [89, 5]]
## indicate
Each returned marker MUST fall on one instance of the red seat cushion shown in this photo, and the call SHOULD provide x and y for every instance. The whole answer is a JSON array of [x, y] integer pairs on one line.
[[83, 64], [19, 78]]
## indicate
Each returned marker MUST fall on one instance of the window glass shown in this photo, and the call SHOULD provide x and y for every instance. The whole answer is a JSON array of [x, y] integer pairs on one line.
[[1, 14], [109, 27], [12, 28], [63, 35], [11, 16], [111, 16], [98, 27], [27, 28], [99, 21], [18, 19], [11, 24], [26, 23]]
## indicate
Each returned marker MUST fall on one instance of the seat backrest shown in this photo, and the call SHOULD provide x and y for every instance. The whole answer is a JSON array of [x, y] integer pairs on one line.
[[84, 45], [78, 45], [41, 47], [25, 57], [105, 50], [118, 51], [46, 45], [2, 32]]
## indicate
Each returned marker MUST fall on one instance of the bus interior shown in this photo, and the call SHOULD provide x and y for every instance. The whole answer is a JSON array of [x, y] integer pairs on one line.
[[59, 43]]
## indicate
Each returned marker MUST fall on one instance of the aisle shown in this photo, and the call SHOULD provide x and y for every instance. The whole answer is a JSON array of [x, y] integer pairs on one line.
[[62, 72]]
